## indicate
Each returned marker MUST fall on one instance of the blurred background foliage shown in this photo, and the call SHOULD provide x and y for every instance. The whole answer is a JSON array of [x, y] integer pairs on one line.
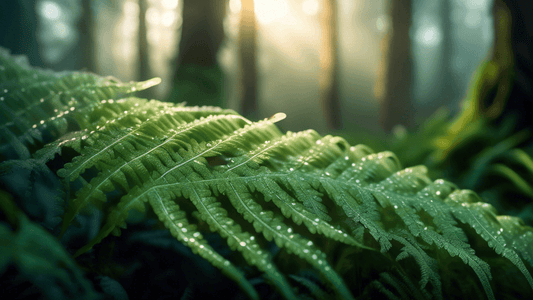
[[299, 46]]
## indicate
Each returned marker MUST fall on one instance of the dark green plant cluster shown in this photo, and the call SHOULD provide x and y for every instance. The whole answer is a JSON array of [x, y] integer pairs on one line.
[[486, 147], [293, 215]]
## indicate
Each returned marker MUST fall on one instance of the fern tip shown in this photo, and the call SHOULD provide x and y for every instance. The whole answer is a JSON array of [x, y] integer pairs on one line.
[[277, 117], [149, 83]]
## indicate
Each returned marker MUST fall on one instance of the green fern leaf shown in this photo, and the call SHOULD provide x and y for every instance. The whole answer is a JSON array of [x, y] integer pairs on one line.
[[251, 184]]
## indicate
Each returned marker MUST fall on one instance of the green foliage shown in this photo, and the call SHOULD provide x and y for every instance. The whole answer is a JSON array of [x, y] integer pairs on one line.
[[360, 222], [39, 257], [482, 148]]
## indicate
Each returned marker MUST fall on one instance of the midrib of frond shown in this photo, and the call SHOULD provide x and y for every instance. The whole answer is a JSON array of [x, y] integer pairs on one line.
[[124, 114], [85, 197], [184, 128], [201, 154]]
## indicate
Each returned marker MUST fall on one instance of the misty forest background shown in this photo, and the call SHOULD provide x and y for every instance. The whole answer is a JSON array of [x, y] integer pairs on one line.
[[362, 69], [322, 62]]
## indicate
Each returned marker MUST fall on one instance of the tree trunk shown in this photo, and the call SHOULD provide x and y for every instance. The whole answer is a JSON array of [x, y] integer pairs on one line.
[[393, 88], [198, 79], [329, 66], [144, 60], [247, 55], [448, 89], [86, 30]]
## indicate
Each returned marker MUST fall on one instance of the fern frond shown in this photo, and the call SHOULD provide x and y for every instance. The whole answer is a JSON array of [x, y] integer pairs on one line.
[[251, 184]]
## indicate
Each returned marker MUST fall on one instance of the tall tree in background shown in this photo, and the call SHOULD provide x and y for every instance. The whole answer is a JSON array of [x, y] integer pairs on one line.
[[393, 87], [144, 59], [87, 39], [448, 91], [329, 65], [18, 23], [247, 56], [198, 78]]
